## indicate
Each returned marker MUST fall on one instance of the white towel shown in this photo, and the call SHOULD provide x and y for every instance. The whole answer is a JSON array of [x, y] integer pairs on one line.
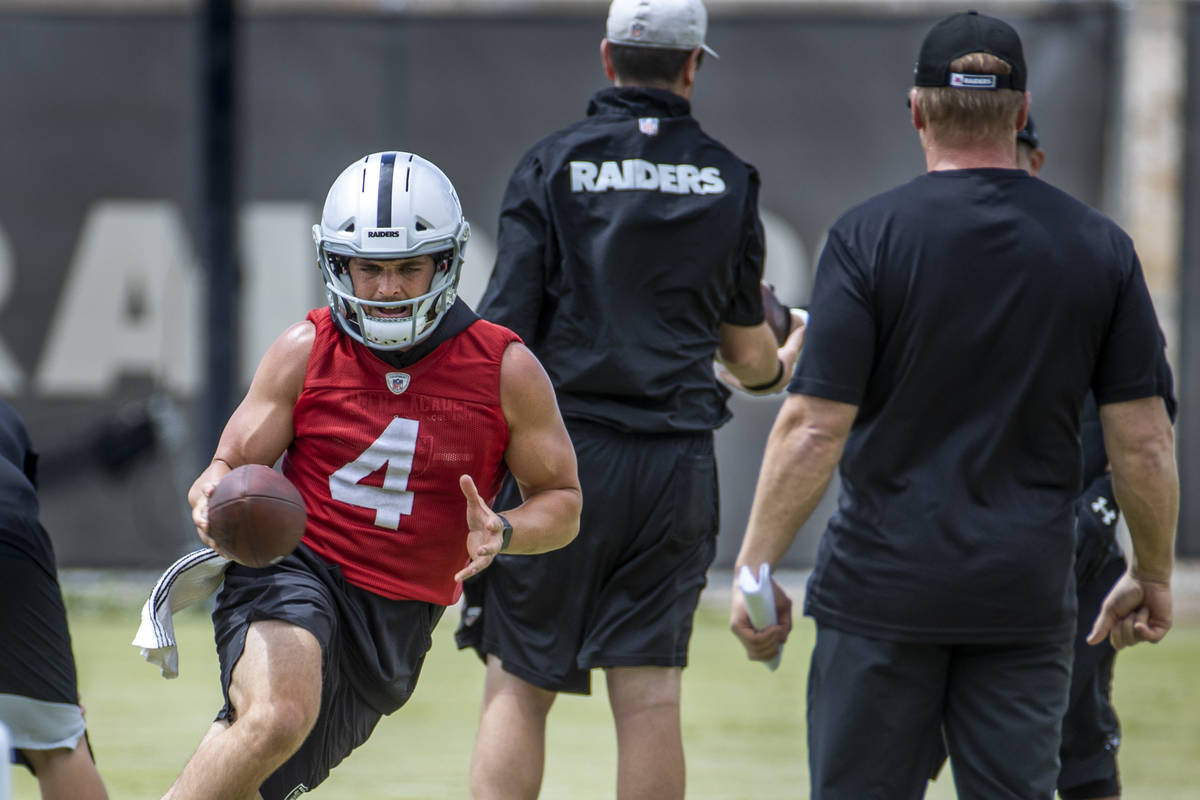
[[189, 580], [760, 602]]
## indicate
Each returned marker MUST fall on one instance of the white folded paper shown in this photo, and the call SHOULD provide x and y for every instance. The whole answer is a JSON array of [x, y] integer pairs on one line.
[[760, 602]]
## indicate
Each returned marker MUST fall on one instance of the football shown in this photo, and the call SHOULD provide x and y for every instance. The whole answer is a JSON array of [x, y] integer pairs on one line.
[[256, 515], [778, 316]]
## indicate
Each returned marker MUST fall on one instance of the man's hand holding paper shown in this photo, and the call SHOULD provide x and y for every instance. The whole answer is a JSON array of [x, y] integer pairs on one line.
[[761, 615]]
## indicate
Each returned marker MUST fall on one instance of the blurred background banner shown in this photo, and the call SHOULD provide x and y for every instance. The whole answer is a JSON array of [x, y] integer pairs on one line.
[[164, 163]]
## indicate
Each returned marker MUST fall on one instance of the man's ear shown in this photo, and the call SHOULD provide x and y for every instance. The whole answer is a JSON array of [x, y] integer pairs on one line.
[[606, 59], [914, 110], [1023, 117], [1036, 159], [692, 67]]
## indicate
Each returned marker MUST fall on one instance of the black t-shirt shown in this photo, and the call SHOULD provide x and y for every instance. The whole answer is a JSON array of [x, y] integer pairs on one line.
[[967, 313], [625, 240]]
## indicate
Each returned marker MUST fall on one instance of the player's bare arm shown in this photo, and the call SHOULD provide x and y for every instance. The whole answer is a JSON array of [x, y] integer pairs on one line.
[[751, 359], [542, 461], [802, 452], [539, 456], [260, 428], [1141, 449]]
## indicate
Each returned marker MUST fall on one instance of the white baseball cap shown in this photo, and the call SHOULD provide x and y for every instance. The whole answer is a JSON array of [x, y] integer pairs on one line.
[[669, 24]]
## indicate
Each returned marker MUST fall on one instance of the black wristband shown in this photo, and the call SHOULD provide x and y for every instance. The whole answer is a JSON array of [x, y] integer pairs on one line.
[[506, 532], [764, 386]]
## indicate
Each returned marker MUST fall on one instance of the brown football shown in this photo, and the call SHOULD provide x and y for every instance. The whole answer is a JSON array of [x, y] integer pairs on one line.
[[778, 316], [256, 515]]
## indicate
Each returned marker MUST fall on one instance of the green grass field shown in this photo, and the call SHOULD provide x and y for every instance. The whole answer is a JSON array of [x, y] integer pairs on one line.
[[743, 726]]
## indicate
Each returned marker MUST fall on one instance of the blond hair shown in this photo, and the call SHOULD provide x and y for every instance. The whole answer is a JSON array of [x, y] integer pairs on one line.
[[960, 116]]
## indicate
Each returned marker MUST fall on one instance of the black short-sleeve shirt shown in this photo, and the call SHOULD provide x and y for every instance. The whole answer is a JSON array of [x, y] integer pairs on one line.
[[625, 240], [967, 314]]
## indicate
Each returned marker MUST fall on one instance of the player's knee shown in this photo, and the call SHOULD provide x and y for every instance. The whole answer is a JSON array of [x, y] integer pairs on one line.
[[280, 726]]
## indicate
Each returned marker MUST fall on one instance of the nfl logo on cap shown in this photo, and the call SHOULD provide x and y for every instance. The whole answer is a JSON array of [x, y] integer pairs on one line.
[[636, 30]]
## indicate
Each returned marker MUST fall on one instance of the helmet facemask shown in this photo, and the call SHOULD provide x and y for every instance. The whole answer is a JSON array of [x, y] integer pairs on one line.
[[391, 206]]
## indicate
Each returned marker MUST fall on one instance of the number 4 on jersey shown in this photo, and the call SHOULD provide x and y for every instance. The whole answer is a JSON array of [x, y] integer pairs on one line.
[[394, 447]]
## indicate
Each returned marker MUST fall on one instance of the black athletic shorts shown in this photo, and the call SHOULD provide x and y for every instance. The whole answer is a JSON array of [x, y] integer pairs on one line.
[[876, 710], [372, 649], [624, 592], [1091, 732], [39, 699]]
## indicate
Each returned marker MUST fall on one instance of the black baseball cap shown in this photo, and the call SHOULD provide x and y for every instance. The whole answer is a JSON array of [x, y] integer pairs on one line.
[[970, 32], [1028, 134]]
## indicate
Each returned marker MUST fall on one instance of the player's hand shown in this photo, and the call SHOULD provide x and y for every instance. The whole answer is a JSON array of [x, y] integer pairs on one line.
[[787, 353], [1135, 610], [760, 645], [200, 507], [200, 516], [799, 323], [198, 497], [484, 534]]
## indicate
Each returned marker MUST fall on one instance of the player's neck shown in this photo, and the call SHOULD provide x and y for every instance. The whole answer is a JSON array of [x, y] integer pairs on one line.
[[981, 155]]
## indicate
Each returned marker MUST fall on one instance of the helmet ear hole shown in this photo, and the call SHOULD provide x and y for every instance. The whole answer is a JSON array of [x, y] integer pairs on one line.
[[442, 260]]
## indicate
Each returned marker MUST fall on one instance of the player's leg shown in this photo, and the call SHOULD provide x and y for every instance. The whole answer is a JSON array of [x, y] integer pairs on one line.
[[39, 699], [1003, 720], [510, 745], [662, 512], [874, 708], [524, 617], [275, 689], [1091, 731], [645, 706], [66, 773]]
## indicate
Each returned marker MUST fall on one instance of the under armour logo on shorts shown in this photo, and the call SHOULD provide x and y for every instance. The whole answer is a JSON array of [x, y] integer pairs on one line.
[[1100, 506]]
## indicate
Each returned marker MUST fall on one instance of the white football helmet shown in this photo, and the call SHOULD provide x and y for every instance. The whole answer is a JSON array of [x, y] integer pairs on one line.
[[384, 206]]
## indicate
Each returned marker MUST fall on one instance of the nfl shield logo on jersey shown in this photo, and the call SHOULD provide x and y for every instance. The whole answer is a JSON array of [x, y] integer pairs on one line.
[[397, 381], [648, 125]]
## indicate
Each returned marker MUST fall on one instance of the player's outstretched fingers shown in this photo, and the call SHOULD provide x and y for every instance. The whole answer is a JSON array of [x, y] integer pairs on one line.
[[467, 484], [484, 528]]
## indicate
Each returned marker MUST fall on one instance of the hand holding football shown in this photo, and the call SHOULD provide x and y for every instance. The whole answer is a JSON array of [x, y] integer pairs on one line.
[[778, 316], [256, 516]]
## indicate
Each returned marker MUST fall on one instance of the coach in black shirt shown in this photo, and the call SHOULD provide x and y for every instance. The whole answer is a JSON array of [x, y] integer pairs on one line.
[[958, 324], [630, 253]]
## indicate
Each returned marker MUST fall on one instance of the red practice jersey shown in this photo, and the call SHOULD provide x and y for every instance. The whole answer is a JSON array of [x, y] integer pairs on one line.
[[379, 450]]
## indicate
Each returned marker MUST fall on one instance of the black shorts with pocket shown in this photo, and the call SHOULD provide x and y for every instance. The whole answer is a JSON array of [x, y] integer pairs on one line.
[[372, 649], [877, 710], [624, 592]]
